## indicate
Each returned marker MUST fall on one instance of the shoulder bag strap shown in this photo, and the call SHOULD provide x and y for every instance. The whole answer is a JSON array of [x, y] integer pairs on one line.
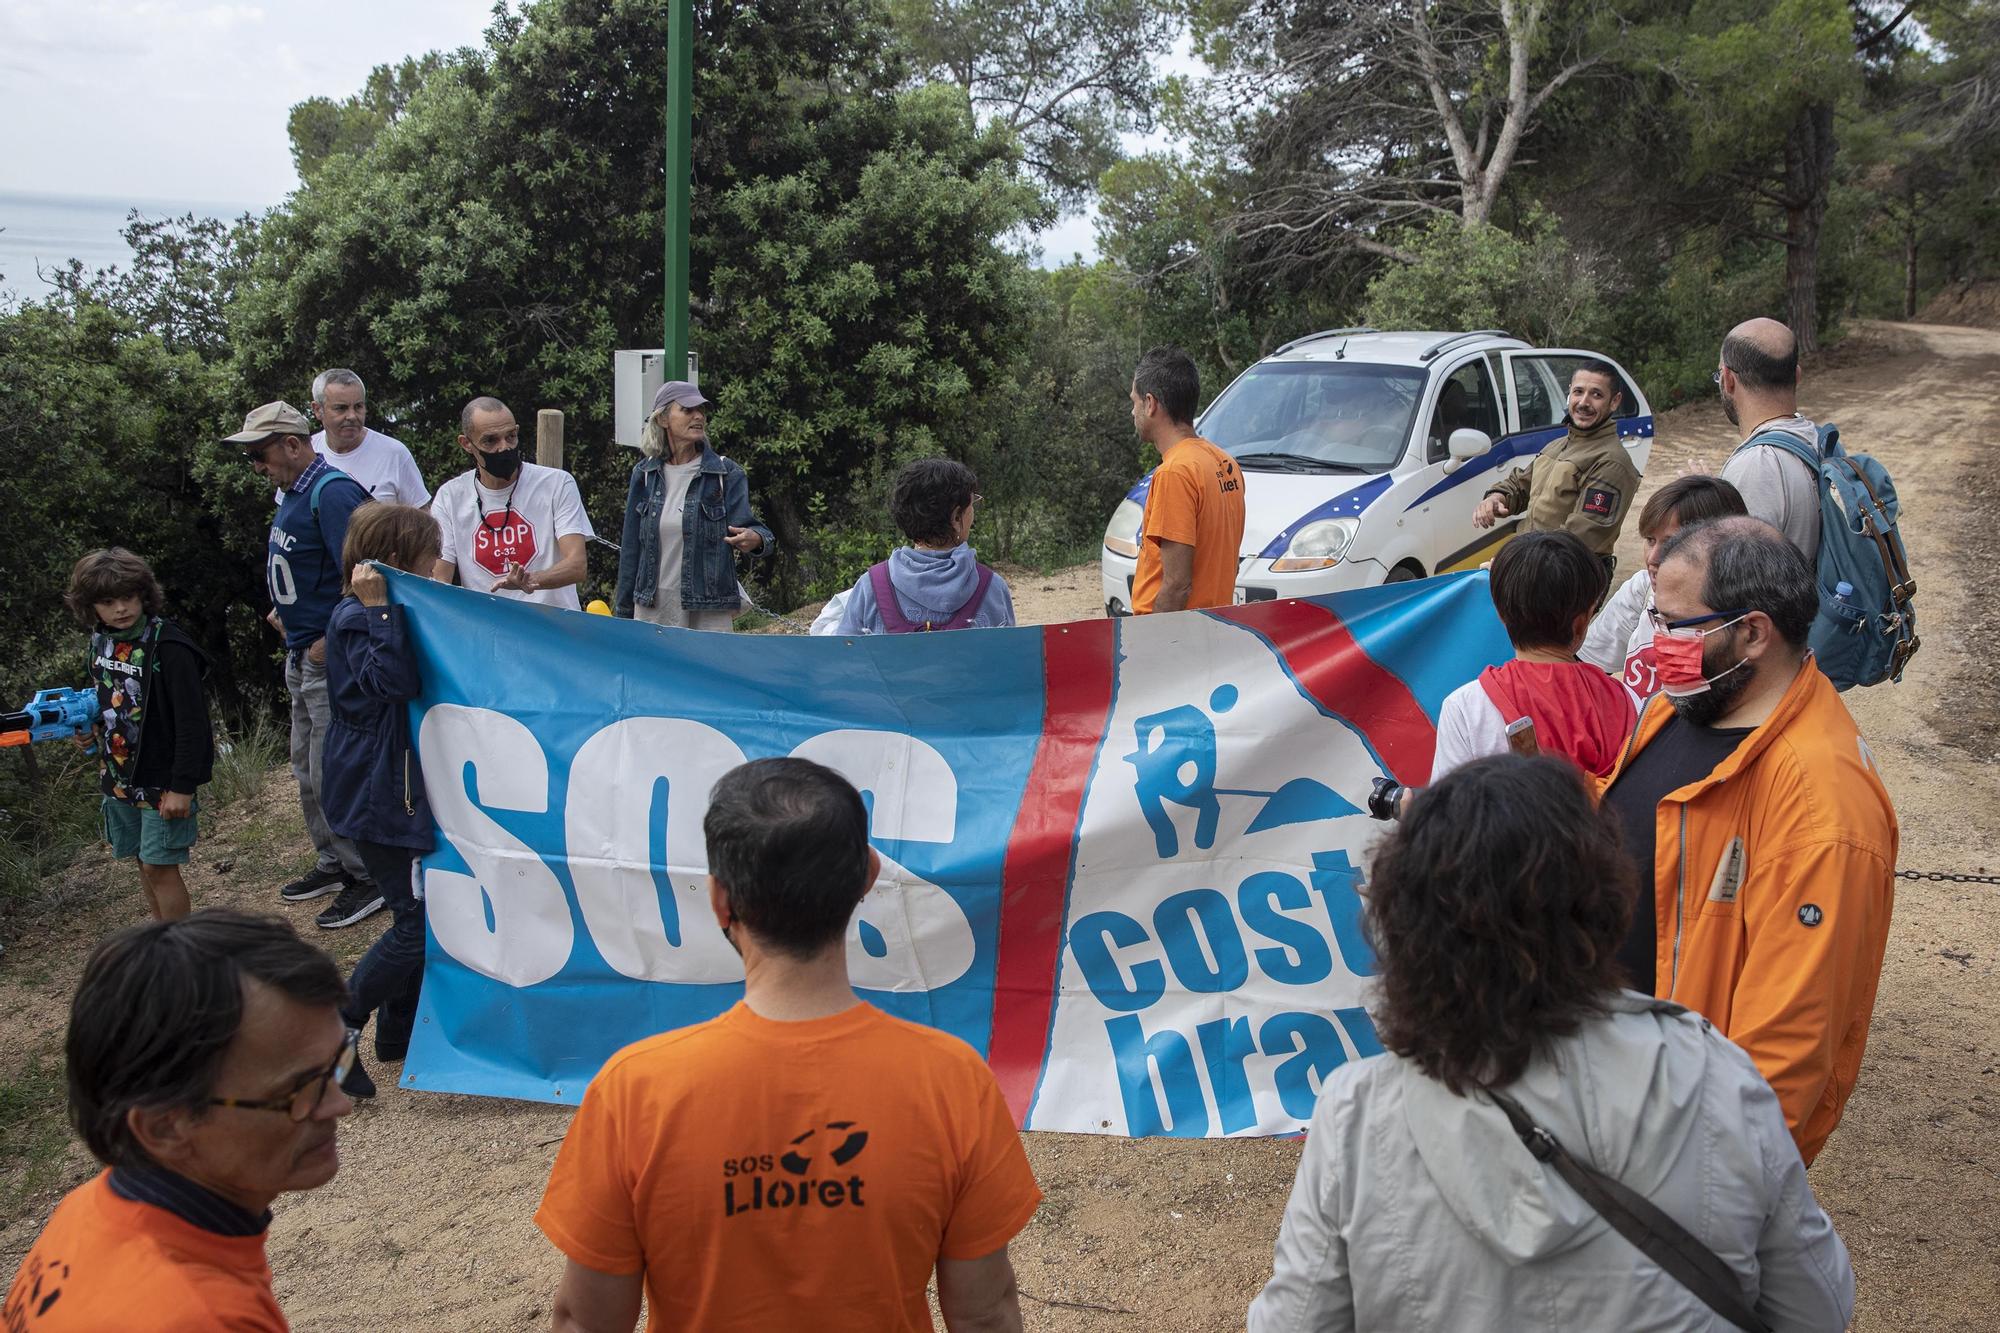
[[1633, 1216]]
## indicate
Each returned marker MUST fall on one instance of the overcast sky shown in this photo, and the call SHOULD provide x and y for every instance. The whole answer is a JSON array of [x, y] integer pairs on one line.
[[181, 101], [165, 102]]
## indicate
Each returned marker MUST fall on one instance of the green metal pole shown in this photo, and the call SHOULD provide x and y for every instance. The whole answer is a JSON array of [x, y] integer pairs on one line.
[[680, 131]]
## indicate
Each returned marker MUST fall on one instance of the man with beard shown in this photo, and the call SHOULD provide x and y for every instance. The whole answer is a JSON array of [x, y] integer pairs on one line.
[[1759, 380], [1770, 839], [1582, 483]]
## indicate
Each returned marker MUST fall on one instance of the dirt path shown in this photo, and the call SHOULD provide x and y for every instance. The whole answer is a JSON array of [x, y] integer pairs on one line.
[[428, 1225]]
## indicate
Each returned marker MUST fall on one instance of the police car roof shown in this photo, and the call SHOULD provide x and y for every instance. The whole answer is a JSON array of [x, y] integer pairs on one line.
[[1400, 347]]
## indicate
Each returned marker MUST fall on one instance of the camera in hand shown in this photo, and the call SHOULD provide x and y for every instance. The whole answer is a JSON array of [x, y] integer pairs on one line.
[[1385, 795]]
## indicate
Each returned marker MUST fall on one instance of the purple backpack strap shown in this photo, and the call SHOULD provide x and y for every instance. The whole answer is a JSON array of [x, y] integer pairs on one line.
[[891, 611], [965, 615], [886, 605]]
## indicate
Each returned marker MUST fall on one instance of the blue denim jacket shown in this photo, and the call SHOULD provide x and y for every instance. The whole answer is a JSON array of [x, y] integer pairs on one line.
[[717, 500]]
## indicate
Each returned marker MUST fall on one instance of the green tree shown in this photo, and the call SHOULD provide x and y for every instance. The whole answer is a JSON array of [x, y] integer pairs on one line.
[[321, 128], [503, 235], [1066, 76]]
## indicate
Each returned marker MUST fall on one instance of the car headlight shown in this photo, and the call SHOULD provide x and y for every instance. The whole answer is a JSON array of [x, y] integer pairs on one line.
[[1121, 534], [1316, 546]]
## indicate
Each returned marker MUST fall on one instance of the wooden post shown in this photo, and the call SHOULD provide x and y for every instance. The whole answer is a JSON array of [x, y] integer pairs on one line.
[[549, 437]]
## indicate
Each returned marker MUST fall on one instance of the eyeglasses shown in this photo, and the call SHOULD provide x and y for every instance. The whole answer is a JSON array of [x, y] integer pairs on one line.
[[303, 1100], [978, 499], [1689, 622]]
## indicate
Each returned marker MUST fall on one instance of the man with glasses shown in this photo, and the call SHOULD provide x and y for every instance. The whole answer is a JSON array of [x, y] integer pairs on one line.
[[936, 582], [302, 571], [204, 1060], [1758, 821]]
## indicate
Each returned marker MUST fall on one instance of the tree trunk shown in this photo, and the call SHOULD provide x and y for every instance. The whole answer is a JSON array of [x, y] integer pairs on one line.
[[1910, 262], [1808, 177]]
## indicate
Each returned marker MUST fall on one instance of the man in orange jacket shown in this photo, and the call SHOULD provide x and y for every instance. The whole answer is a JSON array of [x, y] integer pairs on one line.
[[1771, 839]]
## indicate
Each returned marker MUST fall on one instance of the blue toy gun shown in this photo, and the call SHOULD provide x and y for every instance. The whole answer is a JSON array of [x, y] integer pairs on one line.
[[52, 716]]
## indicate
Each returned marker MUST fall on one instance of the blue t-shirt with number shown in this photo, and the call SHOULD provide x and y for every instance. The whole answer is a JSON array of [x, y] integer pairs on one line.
[[302, 567]]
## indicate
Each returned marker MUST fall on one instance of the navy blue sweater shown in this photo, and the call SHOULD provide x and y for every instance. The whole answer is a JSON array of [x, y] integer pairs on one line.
[[373, 789]]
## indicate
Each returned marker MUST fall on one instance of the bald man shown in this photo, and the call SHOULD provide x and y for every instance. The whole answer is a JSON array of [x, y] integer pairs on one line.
[[510, 527], [1759, 379]]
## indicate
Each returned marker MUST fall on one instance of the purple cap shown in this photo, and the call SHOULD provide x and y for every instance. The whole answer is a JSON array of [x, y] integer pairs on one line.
[[682, 392]]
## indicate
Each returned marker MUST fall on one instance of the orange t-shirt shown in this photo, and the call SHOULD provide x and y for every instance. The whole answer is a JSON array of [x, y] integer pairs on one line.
[[1197, 500], [105, 1262], [771, 1175]]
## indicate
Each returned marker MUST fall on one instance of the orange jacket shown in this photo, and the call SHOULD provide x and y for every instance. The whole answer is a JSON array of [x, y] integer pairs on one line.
[[1774, 878]]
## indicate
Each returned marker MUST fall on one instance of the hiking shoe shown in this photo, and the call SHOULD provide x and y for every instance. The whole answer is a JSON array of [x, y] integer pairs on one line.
[[315, 883], [357, 902], [357, 1084], [390, 1052]]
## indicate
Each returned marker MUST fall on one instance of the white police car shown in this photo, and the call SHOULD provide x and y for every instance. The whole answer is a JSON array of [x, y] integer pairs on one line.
[[1366, 453]]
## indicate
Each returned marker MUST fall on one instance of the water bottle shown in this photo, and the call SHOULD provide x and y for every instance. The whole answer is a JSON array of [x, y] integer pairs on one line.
[[1843, 592]]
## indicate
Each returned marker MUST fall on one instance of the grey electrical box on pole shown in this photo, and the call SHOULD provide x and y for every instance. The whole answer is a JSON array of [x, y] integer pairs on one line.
[[636, 376]]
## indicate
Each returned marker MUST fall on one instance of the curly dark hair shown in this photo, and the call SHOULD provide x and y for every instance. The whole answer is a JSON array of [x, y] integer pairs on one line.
[[1496, 908], [111, 572], [928, 496]]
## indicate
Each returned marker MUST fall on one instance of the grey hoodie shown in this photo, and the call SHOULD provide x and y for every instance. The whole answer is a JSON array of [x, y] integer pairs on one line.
[[930, 585], [1415, 1209]]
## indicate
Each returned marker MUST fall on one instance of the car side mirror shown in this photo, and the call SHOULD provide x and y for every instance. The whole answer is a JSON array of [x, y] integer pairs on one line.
[[1465, 445]]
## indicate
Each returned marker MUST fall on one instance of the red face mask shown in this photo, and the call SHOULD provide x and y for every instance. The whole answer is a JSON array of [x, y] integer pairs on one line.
[[1677, 656]]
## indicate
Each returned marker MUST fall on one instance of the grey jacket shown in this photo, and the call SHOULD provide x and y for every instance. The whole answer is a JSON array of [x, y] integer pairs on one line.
[[1415, 1209]]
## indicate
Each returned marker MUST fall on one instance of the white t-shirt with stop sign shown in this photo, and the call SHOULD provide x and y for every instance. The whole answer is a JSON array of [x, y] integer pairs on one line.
[[485, 529]]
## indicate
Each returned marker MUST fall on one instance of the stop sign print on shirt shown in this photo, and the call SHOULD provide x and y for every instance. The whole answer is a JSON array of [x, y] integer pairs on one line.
[[495, 544]]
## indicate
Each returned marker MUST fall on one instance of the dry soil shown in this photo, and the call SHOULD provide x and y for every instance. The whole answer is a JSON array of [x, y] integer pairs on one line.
[[428, 1225]]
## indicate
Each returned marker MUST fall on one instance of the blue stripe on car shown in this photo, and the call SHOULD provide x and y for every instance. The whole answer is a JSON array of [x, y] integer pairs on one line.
[[1514, 447], [1348, 504]]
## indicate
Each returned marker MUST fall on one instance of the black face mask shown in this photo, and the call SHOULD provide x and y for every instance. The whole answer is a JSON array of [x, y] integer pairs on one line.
[[502, 463]]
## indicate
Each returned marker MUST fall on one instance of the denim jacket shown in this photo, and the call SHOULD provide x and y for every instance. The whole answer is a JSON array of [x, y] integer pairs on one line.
[[717, 500]]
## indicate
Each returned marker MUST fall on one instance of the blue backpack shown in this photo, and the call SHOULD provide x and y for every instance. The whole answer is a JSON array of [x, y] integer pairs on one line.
[[1866, 630]]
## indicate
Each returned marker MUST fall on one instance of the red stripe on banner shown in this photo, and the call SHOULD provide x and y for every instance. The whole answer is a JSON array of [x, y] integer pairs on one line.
[[1078, 667], [1334, 669]]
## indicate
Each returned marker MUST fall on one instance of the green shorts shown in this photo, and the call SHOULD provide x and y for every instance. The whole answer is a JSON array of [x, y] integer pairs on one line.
[[138, 830]]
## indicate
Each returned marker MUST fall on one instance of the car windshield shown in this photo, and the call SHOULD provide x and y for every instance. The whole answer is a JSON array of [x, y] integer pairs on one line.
[[1316, 416]]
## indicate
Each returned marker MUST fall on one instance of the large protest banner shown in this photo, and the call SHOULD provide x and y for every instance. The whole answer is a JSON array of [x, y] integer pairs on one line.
[[1120, 858]]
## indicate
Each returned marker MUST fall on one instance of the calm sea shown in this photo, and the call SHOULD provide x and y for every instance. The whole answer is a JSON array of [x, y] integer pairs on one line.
[[49, 229]]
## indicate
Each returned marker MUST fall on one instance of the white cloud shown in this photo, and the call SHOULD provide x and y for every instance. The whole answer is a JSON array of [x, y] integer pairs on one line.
[[153, 100]]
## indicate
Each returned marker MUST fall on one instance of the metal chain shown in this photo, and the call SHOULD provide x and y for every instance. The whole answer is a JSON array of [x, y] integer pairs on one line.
[[1947, 878]]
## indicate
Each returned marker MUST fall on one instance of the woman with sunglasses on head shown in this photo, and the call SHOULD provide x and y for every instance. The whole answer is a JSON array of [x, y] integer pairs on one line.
[[204, 1057], [1496, 908]]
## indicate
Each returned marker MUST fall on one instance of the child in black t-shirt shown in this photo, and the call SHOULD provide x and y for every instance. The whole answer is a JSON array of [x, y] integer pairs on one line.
[[155, 748]]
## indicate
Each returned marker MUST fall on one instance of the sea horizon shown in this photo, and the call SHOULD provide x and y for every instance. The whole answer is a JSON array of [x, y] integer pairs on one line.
[[49, 229]]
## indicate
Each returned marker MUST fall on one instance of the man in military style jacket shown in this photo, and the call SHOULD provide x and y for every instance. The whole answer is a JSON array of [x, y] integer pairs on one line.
[[1584, 482]]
